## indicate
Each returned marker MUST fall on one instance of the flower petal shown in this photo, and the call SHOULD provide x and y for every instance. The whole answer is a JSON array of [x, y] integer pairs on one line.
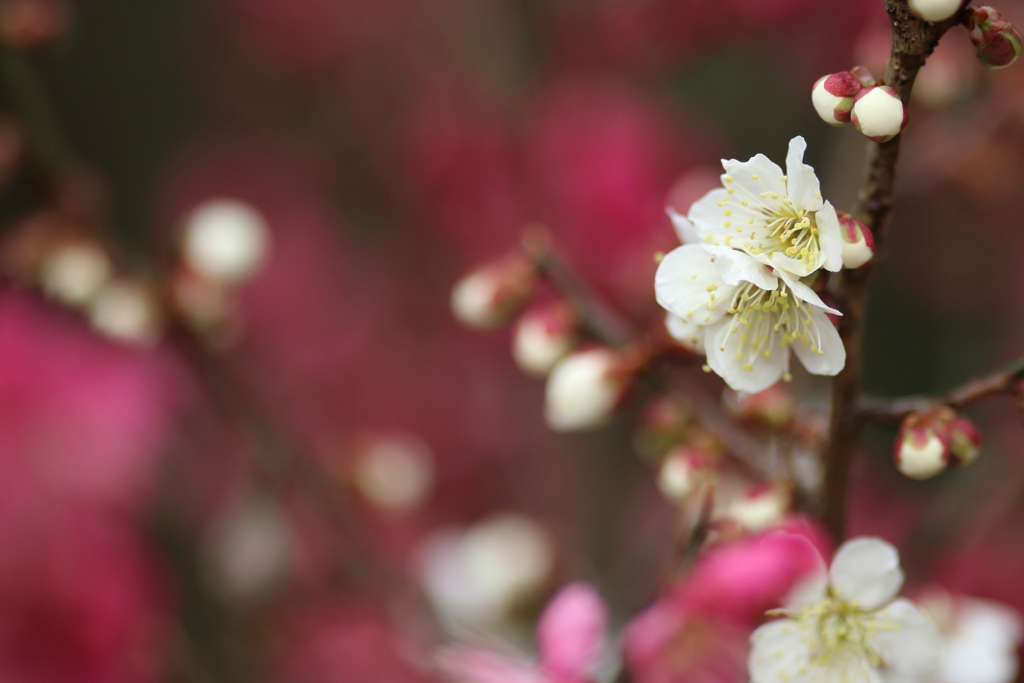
[[805, 293], [801, 181], [828, 356], [866, 572], [685, 230], [722, 345], [779, 651], [570, 634], [712, 218], [907, 640], [738, 266], [758, 174], [830, 237], [687, 334], [791, 266], [810, 590], [682, 281], [480, 665]]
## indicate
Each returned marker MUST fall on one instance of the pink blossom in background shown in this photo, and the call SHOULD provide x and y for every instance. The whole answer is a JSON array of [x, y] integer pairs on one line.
[[570, 638], [81, 600], [697, 631], [80, 417]]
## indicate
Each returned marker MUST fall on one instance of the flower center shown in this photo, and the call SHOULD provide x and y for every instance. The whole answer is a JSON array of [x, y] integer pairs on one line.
[[767, 322], [770, 224], [842, 630]]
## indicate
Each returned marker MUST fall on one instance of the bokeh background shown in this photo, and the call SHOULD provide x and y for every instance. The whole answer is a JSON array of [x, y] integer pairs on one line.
[[336, 478]]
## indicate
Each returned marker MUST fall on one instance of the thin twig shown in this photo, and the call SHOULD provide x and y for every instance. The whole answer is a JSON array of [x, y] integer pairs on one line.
[[1006, 381], [913, 39]]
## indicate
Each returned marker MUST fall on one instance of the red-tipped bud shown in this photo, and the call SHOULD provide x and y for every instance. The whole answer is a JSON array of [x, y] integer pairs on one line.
[[543, 336], [29, 24], [878, 113], [997, 43], [493, 294], [930, 440], [858, 242], [964, 441], [935, 10], [585, 388], [773, 407], [833, 95], [683, 471], [756, 507]]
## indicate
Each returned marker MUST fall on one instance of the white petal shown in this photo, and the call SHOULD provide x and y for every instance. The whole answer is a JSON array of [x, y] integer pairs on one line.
[[805, 293], [802, 184], [780, 651], [708, 216], [907, 640], [682, 281], [974, 661], [809, 590], [737, 266], [687, 334], [769, 175], [989, 621], [722, 344], [823, 335], [830, 237], [685, 230], [866, 571], [790, 266]]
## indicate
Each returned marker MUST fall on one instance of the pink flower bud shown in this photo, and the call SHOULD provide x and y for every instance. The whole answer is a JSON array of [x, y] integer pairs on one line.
[[930, 440], [493, 294], [543, 336], [935, 10], [858, 242], [964, 441], [997, 43], [584, 389], [833, 95], [878, 113], [683, 471]]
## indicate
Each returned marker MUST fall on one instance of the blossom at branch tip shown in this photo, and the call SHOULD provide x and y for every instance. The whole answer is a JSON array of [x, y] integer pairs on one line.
[[748, 316], [778, 218], [847, 624]]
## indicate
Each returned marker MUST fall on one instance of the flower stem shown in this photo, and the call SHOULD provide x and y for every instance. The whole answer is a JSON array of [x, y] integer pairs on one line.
[[913, 39]]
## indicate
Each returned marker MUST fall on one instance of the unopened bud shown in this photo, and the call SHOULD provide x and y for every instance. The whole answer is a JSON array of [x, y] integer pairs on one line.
[[920, 453], [225, 240], [935, 10], [964, 441], [125, 310], [395, 473], [833, 95], [996, 42], [584, 389], [492, 295], [73, 273], [878, 113], [858, 242], [773, 407], [28, 24], [543, 336], [759, 507], [683, 471]]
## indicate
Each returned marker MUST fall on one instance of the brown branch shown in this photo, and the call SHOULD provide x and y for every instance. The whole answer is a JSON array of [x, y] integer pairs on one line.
[[1006, 381], [913, 39]]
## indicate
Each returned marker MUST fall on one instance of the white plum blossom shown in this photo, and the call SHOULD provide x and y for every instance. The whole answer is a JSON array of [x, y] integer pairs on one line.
[[847, 626], [778, 218], [747, 316]]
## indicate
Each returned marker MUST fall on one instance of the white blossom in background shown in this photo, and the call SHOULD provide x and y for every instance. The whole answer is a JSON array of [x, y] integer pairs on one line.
[[542, 337], [395, 472], [250, 549], [75, 272], [125, 310], [750, 317], [584, 389], [847, 625], [225, 239], [981, 643], [935, 10], [778, 218]]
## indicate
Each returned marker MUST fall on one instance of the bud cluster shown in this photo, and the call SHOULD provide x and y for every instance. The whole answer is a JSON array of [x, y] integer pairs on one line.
[[854, 97], [931, 440], [997, 43]]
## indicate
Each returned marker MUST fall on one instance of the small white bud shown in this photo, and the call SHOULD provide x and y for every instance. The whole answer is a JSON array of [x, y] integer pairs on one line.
[[543, 336], [126, 311], [225, 239], [879, 113], [920, 454], [760, 507], [935, 10], [75, 272], [491, 295], [832, 97], [583, 390], [250, 549], [858, 242], [682, 472]]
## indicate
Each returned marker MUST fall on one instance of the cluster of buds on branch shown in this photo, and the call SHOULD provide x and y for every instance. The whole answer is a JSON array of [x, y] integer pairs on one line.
[[854, 97], [931, 440], [996, 42]]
